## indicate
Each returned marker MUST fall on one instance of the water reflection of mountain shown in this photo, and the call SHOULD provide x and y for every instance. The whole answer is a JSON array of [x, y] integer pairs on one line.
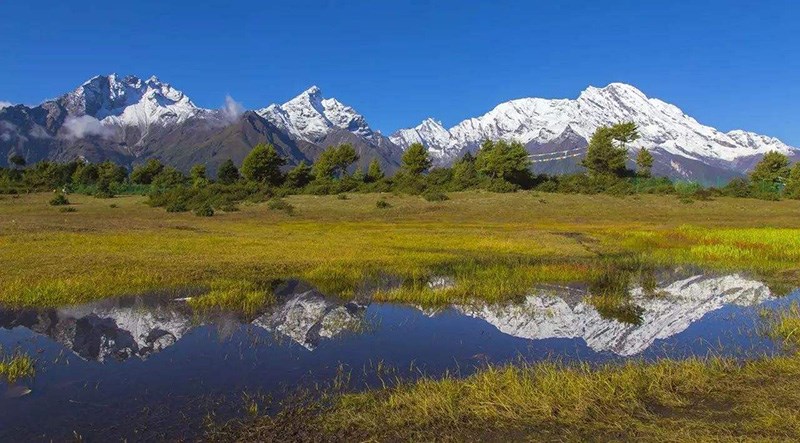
[[117, 329], [308, 317], [140, 326], [560, 314]]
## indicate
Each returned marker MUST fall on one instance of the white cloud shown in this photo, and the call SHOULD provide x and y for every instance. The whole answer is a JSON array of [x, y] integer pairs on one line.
[[6, 130], [38, 132], [5, 104], [232, 109], [86, 125]]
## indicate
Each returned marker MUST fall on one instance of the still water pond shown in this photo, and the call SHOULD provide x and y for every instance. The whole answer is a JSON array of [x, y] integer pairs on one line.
[[146, 367]]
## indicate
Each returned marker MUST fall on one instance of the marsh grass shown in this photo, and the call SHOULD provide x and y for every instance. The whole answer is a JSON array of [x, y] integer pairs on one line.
[[16, 366], [237, 296], [700, 398], [783, 324], [492, 281]]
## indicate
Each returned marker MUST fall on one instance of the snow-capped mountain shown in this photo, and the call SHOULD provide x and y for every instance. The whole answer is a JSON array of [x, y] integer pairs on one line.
[[128, 120], [130, 101], [311, 117], [673, 136], [679, 304]]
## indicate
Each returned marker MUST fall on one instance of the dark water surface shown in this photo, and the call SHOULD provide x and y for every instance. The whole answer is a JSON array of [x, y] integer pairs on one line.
[[147, 368]]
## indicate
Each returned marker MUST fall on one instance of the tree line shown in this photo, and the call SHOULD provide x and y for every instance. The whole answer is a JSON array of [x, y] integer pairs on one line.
[[497, 166]]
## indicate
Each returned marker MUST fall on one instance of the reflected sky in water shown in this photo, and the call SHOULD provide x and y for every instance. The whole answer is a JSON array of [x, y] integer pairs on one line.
[[148, 367]]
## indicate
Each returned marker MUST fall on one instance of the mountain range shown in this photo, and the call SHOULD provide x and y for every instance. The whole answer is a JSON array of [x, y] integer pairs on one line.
[[128, 120]]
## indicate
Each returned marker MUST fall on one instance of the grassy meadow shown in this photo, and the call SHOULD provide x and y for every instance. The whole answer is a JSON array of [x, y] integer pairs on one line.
[[490, 246], [495, 245]]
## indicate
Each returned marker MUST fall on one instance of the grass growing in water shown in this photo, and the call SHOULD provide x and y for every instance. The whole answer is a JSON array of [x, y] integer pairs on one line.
[[237, 296], [16, 366], [697, 399]]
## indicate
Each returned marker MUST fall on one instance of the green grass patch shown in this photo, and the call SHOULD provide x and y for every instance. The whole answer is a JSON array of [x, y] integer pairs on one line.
[[236, 296], [16, 366]]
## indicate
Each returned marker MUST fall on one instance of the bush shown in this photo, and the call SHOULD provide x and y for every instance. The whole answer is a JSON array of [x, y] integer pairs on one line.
[[499, 185], [177, 206], [103, 193], [434, 196], [67, 209], [59, 200], [738, 187], [228, 207], [687, 189], [383, 204], [204, 210], [278, 204]]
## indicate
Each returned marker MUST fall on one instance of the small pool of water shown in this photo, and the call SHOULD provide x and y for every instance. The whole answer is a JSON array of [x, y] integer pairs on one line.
[[146, 367]]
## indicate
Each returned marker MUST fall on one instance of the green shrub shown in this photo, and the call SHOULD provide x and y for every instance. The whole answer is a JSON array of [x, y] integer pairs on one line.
[[59, 200], [383, 204], [687, 189], [177, 206], [738, 187], [434, 196], [499, 185], [228, 207], [103, 193], [278, 204], [204, 210]]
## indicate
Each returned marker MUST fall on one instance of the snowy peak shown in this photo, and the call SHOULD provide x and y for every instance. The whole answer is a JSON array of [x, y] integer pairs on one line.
[[311, 117], [662, 126], [129, 101], [430, 133]]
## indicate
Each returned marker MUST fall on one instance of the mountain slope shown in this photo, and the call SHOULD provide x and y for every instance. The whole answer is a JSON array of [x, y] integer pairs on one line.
[[128, 120], [684, 147], [324, 122]]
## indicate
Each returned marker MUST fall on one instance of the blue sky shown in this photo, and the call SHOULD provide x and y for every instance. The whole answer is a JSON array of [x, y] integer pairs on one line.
[[730, 64]]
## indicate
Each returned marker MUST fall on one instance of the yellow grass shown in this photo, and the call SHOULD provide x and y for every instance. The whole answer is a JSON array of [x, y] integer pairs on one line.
[[51, 258]]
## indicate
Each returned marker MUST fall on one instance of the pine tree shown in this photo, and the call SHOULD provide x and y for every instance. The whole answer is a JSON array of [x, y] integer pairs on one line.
[[607, 151], [465, 175], [227, 174], [772, 169], [263, 165], [299, 176], [502, 160], [374, 172], [334, 161], [198, 174], [792, 189], [144, 174], [415, 160], [17, 161], [644, 163]]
